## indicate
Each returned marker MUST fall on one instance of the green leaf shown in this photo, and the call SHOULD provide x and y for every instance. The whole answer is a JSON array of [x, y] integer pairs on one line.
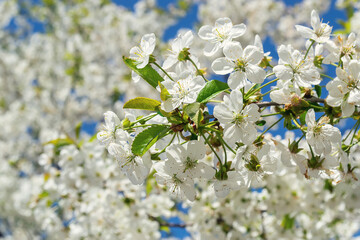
[[165, 229], [43, 194], [318, 90], [164, 93], [288, 124], [193, 110], [144, 140], [59, 143], [260, 122], [328, 185], [288, 222], [93, 137], [142, 103], [147, 73], [303, 118], [78, 130], [210, 90], [162, 112]]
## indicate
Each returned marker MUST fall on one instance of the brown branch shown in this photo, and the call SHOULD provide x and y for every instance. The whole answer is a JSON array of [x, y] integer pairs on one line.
[[310, 99], [267, 104], [314, 99]]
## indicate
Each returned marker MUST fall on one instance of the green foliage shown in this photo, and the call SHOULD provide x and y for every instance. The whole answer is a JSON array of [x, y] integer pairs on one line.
[[61, 142], [288, 222], [147, 138], [142, 103], [194, 112], [318, 90], [210, 90], [149, 74], [260, 122]]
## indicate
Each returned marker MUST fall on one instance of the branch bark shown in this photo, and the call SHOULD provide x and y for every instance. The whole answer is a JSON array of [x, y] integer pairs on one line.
[[310, 99]]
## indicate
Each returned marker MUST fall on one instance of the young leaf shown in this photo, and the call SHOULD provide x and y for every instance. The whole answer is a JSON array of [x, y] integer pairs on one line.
[[59, 143], [302, 118], [144, 140], [194, 112], [260, 123], [210, 90], [78, 130], [164, 93], [147, 73], [192, 109], [288, 222], [318, 90], [142, 103]]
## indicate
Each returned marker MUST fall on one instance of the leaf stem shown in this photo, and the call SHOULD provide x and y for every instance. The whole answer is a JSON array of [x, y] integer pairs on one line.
[[211, 147], [197, 69], [324, 75], [307, 52], [259, 88], [156, 64], [272, 125]]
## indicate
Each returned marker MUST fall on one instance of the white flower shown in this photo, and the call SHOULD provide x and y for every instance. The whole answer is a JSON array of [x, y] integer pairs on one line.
[[341, 49], [189, 157], [111, 127], [320, 135], [292, 66], [220, 35], [319, 166], [181, 43], [136, 167], [234, 181], [254, 163], [141, 54], [184, 90], [320, 32], [282, 93], [241, 64], [170, 174], [238, 122], [344, 90]]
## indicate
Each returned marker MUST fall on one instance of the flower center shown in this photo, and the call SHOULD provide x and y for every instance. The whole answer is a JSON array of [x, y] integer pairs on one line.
[[238, 119], [220, 34], [182, 90], [253, 164], [176, 180], [240, 65], [190, 163], [129, 159], [352, 83]]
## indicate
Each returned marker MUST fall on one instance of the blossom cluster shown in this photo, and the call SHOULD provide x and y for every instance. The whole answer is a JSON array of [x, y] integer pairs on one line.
[[238, 154]]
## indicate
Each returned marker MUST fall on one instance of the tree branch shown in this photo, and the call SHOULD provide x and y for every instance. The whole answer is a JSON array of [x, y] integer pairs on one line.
[[309, 99]]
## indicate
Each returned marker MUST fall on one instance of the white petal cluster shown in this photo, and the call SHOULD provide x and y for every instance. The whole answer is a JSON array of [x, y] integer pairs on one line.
[[183, 90], [295, 68], [320, 135], [183, 164], [242, 64], [142, 53], [219, 35], [238, 121], [320, 32], [344, 90]]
